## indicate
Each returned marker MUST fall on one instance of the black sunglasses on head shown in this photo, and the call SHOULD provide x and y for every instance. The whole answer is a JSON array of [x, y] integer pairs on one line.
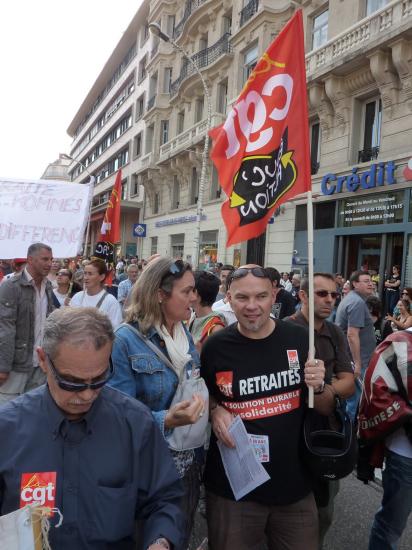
[[81, 386], [243, 271]]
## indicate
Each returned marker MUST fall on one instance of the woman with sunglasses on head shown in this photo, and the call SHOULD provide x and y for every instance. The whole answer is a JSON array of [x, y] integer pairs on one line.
[[94, 293], [153, 353], [66, 288]]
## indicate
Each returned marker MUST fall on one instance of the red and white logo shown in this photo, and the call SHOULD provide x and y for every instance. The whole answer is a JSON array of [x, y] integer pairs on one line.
[[293, 358], [224, 381], [39, 488]]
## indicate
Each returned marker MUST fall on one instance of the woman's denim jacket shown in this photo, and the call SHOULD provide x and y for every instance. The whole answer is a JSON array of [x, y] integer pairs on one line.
[[140, 373]]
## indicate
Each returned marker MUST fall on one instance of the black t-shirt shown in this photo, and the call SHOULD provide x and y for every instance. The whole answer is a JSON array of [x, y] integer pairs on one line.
[[284, 305], [263, 382]]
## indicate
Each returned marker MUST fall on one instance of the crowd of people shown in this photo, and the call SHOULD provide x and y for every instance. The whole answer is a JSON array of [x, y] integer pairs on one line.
[[126, 384]]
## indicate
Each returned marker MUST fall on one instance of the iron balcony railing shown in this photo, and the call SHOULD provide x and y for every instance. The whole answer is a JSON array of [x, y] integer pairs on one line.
[[368, 154], [248, 11], [190, 7], [202, 59]]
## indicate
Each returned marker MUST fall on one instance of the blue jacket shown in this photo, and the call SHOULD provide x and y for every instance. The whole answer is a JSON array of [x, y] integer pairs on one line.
[[141, 374]]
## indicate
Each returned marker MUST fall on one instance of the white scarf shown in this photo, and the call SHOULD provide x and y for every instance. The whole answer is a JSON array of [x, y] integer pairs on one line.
[[177, 346]]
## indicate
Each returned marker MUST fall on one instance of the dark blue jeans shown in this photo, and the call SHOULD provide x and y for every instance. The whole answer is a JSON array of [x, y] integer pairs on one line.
[[391, 518]]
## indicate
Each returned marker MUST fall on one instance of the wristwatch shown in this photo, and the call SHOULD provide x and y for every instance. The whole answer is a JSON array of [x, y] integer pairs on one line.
[[161, 542]]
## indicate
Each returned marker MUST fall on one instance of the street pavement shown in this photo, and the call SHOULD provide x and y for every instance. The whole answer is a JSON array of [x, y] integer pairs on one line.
[[355, 507]]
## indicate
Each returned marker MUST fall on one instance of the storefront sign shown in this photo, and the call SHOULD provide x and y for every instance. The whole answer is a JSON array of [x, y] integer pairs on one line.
[[377, 175], [181, 219], [371, 210], [139, 230]]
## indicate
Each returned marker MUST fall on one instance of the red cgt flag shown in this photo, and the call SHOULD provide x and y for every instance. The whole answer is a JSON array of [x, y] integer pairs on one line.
[[261, 152], [110, 230]]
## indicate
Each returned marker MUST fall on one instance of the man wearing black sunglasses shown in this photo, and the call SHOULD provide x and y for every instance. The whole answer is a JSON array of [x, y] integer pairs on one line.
[[331, 347], [257, 369], [106, 462]]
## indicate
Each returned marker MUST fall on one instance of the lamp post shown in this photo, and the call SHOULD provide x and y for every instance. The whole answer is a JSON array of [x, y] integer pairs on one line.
[[91, 184], [157, 31]]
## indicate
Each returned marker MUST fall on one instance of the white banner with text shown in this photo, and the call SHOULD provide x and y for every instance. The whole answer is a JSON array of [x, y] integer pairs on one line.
[[51, 212]]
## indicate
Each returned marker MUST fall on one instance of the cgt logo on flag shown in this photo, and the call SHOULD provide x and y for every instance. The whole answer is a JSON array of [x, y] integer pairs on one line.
[[261, 152], [39, 488]]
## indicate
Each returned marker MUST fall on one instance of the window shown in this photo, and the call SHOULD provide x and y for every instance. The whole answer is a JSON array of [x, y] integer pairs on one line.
[[203, 42], [144, 34], [199, 109], [249, 61], [170, 25], [153, 86], [324, 215], [164, 131], [372, 123], [374, 5], [135, 185], [301, 220], [140, 107], [142, 70], [153, 245], [149, 138], [175, 193], [180, 122], [314, 147], [124, 190], [215, 189], [167, 80], [194, 187], [156, 203], [137, 145], [208, 247], [222, 97], [320, 29], [227, 23], [177, 244]]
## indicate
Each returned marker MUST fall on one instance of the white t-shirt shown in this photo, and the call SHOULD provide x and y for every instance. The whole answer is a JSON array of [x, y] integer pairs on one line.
[[60, 297], [226, 310], [110, 306]]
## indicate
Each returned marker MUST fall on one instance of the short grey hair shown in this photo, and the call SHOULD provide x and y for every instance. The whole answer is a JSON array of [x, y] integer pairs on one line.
[[77, 326], [36, 247]]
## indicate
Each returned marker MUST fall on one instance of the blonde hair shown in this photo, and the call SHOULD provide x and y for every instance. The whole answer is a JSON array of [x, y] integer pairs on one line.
[[145, 308]]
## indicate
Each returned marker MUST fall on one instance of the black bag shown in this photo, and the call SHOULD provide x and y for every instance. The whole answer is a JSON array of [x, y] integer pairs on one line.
[[329, 443]]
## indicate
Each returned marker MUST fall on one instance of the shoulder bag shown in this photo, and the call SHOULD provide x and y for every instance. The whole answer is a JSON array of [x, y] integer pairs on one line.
[[191, 436]]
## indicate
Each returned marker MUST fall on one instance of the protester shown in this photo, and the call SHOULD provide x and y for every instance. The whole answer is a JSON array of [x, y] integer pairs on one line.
[[66, 288], [392, 285], [25, 301], [331, 347], [126, 286], [223, 306], [224, 272], [55, 268], [403, 320], [345, 289], [295, 289], [17, 266], [285, 282], [354, 319], [284, 304], [385, 426], [95, 295], [205, 321], [110, 462], [374, 305], [160, 302], [256, 369]]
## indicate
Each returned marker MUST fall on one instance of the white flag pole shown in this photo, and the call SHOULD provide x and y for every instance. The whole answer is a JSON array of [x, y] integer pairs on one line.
[[310, 293]]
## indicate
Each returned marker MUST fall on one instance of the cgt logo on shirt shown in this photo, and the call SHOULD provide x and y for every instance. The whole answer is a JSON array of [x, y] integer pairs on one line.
[[224, 381], [38, 488]]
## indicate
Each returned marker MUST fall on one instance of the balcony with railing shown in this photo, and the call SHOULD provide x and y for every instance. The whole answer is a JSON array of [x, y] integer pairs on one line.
[[189, 137], [190, 7], [202, 59], [362, 36], [248, 11]]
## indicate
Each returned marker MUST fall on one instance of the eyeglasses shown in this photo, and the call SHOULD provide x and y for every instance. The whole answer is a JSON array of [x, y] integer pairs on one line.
[[81, 386], [243, 271], [66, 273], [324, 293], [405, 293]]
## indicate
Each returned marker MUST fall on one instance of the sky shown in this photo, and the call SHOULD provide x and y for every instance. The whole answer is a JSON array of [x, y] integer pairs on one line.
[[51, 53]]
